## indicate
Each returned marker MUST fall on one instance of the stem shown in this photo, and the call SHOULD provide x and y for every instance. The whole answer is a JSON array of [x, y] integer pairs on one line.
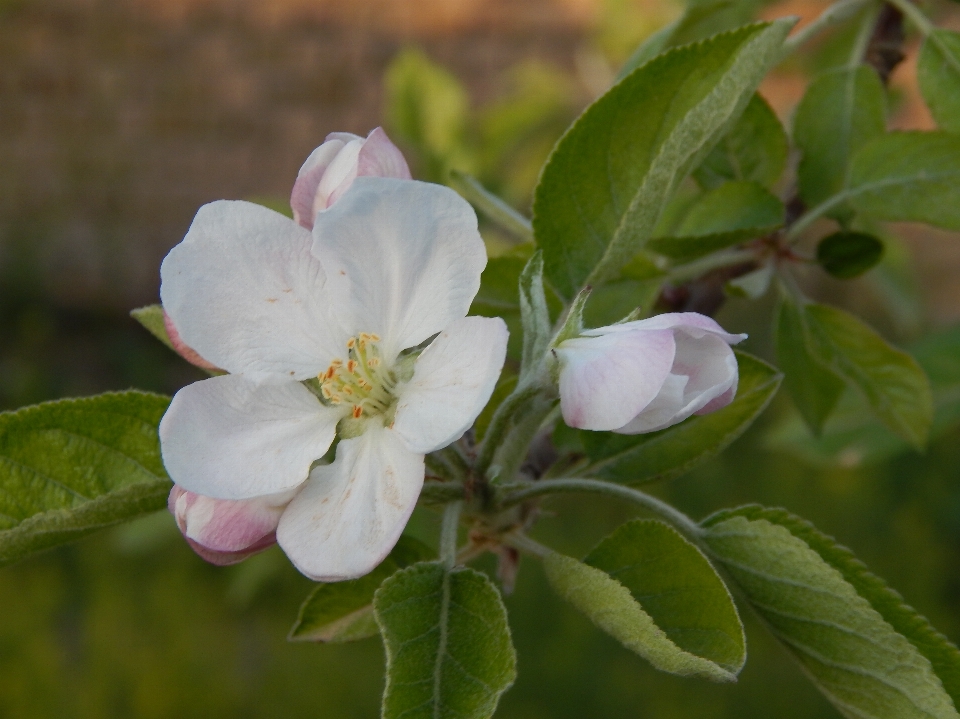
[[492, 206], [499, 423], [681, 522], [862, 40], [916, 16], [698, 268], [448, 534], [813, 215], [441, 492], [525, 544], [833, 15]]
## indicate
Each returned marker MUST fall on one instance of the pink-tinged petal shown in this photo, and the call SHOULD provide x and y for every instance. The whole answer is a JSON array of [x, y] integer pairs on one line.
[[224, 531], [188, 353], [304, 192], [338, 177], [245, 293], [662, 411], [718, 402], [402, 259], [452, 382], [605, 381], [379, 157], [351, 513], [692, 323], [229, 438]]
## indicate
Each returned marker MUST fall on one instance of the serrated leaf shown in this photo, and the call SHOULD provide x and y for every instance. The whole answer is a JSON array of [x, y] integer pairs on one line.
[[612, 608], [867, 651], [892, 382], [841, 111], [151, 317], [755, 149], [448, 646], [908, 177], [343, 611], [719, 218], [813, 386], [938, 74], [610, 175], [73, 466], [846, 255], [635, 459], [675, 584]]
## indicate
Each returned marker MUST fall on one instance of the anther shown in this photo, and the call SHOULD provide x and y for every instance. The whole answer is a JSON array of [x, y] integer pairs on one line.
[[357, 411]]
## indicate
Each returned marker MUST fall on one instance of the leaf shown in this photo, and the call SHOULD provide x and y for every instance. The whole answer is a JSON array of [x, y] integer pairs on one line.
[[908, 177], [755, 149], [938, 74], [729, 214], [813, 387], [892, 382], [609, 176], [448, 646], [343, 611], [849, 254], [612, 608], [534, 315], [151, 317], [841, 111], [676, 586], [70, 467], [866, 650], [671, 452]]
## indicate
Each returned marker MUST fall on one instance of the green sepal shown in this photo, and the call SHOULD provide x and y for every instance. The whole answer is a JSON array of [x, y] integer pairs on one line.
[[846, 255], [151, 317]]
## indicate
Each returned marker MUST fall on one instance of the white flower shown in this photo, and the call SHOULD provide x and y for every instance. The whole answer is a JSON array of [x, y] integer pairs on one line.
[[332, 168], [646, 375], [391, 265]]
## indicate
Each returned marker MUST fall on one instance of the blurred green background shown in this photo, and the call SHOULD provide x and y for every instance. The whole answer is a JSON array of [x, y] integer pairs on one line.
[[119, 118]]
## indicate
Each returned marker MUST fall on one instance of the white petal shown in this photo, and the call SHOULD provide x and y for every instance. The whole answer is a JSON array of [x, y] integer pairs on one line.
[[605, 381], [245, 292], [452, 382], [692, 323], [229, 438], [304, 192], [402, 259], [379, 157], [340, 174], [662, 410], [350, 513]]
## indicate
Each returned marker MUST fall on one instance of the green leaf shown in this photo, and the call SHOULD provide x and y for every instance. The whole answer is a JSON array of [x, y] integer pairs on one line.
[[635, 459], [813, 387], [676, 586], [721, 217], [938, 74], [849, 254], [868, 652], [892, 382], [343, 611], [151, 317], [448, 646], [73, 466], [755, 149], [611, 606], [908, 177], [534, 315], [610, 175], [841, 111]]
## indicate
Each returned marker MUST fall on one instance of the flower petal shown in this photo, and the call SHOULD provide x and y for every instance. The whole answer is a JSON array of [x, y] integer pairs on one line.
[[181, 348], [350, 513], [606, 380], [304, 192], [402, 259], [661, 412], [693, 323], [452, 382], [244, 291], [379, 157], [228, 438]]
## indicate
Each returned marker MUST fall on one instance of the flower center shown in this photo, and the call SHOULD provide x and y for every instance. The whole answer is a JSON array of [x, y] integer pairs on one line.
[[362, 382]]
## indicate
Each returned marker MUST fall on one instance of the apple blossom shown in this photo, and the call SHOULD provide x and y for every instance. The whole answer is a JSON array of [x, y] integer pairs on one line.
[[323, 334], [648, 374]]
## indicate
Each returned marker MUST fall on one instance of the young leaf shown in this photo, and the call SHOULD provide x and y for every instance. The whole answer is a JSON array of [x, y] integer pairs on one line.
[[868, 652], [534, 315], [611, 606], [73, 466], [151, 317], [343, 611], [755, 149], [938, 74], [635, 459], [813, 387], [729, 214], [848, 254], [674, 583], [909, 177], [893, 383], [841, 111], [448, 646], [608, 178]]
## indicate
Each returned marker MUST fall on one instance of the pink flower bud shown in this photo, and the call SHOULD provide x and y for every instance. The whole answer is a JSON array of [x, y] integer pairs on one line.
[[332, 168], [225, 531], [188, 353], [646, 375]]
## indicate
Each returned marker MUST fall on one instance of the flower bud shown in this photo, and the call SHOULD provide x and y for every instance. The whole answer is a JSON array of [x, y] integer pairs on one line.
[[646, 375], [332, 168], [225, 531]]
